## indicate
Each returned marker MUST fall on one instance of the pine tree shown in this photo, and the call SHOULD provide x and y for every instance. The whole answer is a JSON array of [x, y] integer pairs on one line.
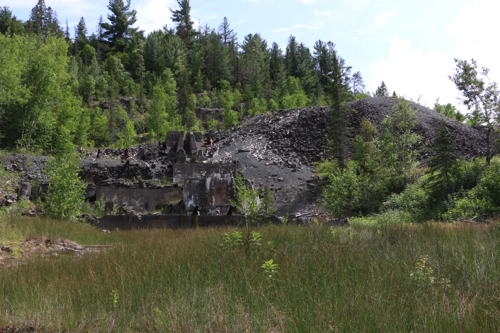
[[182, 17], [119, 31]]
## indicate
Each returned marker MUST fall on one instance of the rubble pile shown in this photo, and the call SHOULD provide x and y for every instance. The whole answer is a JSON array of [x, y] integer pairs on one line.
[[293, 137]]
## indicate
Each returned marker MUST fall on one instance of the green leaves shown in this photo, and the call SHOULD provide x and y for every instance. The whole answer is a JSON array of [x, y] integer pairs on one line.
[[64, 196]]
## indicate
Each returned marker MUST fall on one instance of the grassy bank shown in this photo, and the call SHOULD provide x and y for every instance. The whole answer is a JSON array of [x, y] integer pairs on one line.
[[378, 279]]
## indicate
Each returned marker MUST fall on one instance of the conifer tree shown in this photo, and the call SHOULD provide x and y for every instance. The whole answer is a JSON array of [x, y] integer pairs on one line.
[[119, 31], [227, 34], [444, 168], [382, 90], [43, 21], [337, 127], [182, 17], [186, 101], [292, 57], [80, 35]]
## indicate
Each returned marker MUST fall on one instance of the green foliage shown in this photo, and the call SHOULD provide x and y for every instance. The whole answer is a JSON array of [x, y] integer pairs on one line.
[[257, 106], [450, 111], [232, 239], [65, 194], [36, 101], [204, 101], [247, 199], [414, 200], [187, 101], [366, 146], [229, 118], [128, 136], [480, 95], [272, 105], [350, 192], [212, 124], [423, 275], [293, 96], [270, 269]]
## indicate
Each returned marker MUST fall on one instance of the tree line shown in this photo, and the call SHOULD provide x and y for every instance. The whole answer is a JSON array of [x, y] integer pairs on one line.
[[58, 88]]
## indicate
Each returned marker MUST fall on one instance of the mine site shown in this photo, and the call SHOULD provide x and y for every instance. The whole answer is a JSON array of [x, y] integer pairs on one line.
[[160, 184]]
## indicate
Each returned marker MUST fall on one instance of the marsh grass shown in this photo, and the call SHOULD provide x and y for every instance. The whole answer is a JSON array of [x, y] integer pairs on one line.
[[355, 279]]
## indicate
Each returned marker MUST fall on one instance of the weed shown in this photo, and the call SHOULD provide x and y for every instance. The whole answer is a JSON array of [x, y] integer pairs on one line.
[[115, 296], [232, 239], [270, 269]]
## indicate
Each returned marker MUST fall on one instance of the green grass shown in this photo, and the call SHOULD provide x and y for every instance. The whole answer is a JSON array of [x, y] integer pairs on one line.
[[354, 279]]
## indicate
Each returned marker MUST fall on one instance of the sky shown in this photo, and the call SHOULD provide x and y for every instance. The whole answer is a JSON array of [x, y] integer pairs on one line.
[[409, 44]]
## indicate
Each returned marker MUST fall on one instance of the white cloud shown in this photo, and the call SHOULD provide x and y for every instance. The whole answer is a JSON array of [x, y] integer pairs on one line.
[[322, 13], [476, 30], [154, 14], [415, 74]]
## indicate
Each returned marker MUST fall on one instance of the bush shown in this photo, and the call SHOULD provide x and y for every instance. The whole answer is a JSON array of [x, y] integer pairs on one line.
[[352, 192]]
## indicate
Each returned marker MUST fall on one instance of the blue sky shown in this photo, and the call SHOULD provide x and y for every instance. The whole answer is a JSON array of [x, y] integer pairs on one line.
[[409, 44]]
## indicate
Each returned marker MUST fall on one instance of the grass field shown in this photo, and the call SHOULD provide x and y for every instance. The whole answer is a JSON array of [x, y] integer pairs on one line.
[[412, 278]]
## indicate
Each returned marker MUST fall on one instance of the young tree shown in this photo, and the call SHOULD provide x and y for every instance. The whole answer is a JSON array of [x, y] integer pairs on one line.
[[398, 144], [119, 31], [65, 194], [366, 146], [247, 199], [444, 168], [482, 96]]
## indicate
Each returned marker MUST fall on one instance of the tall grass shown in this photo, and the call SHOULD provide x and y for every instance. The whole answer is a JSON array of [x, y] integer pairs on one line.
[[349, 280]]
